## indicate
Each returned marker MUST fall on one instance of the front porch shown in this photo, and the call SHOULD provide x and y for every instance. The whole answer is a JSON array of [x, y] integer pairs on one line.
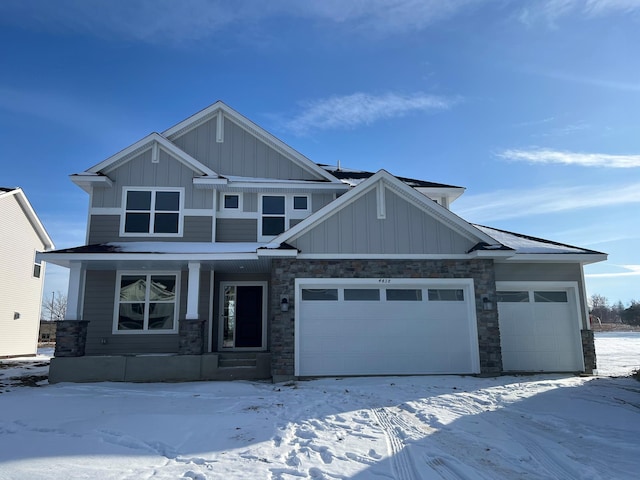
[[161, 368]]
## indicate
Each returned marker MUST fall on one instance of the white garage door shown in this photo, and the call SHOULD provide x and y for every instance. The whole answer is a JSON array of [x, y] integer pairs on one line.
[[539, 329], [385, 326]]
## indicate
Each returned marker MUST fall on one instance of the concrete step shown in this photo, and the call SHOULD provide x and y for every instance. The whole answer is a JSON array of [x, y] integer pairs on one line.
[[236, 362]]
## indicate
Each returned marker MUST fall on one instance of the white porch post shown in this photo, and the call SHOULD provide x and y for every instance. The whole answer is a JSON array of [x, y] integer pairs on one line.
[[74, 292], [193, 288]]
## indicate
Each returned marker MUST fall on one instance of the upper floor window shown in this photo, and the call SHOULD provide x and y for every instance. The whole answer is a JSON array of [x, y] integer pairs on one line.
[[37, 269], [231, 201], [152, 212], [277, 211]]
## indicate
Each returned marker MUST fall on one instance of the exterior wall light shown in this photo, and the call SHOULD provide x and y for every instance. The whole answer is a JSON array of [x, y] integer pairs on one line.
[[487, 304], [284, 304]]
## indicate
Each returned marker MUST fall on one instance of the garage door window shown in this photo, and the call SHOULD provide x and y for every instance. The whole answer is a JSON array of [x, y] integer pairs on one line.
[[404, 294], [513, 297], [550, 297], [362, 294], [446, 294], [322, 294]]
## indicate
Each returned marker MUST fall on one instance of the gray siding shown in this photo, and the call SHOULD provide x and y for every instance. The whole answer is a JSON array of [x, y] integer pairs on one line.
[[99, 310], [406, 229], [250, 202], [106, 228], [236, 230], [319, 200], [140, 172], [543, 272], [241, 153]]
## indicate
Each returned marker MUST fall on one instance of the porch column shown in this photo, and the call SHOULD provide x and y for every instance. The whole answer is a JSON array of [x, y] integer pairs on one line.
[[191, 331], [71, 333]]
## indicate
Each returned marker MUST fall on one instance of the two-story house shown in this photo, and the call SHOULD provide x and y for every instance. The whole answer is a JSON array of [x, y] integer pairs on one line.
[[214, 250], [22, 235]]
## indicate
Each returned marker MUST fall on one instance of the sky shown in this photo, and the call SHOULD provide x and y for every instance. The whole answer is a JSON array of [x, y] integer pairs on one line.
[[533, 107]]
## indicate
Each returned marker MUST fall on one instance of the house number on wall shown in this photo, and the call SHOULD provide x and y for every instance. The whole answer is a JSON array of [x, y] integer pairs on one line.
[[384, 280]]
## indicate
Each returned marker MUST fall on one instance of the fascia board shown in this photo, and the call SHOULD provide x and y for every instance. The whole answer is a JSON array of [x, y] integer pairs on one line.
[[268, 252], [496, 254], [195, 120], [143, 145], [36, 224], [268, 186], [85, 181], [450, 193], [585, 258]]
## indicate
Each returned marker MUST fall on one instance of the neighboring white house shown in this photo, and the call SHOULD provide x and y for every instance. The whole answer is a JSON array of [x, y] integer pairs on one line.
[[21, 236]]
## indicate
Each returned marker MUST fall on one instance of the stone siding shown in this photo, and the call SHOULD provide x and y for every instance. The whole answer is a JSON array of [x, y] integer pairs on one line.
[[285, 271], [588, 351], [71, 337], [191, 337]]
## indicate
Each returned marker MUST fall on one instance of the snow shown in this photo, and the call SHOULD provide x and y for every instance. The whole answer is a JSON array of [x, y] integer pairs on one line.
[[451, 427], [527, 245]]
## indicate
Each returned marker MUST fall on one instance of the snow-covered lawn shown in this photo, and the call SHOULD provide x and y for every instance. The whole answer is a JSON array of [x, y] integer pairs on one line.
[[451, 427]]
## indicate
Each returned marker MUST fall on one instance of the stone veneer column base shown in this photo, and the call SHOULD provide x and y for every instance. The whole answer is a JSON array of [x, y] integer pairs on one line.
[[588, 351], [71, 337], [191, 340]]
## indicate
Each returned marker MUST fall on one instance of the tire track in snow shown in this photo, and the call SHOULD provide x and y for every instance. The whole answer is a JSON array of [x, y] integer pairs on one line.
[[403, 466]]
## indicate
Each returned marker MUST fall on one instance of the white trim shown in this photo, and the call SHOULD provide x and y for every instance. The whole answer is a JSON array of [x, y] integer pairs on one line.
[[583, 258], [155, 155], [152, 211], [214, 208], [289, 212], [240, 206], [198, 212], [286, 185], [147, 274], [211, 310], [74, 293], [381, 202], [220, 127], [193, 291], [31, 215], [88, 181], [467, 284], [265, 294], [105, 211]]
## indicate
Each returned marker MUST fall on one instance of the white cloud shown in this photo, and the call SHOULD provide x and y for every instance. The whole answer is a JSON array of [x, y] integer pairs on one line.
[[357, 109], [506, 204], [170, 22], [552, 10], [546, 156], [629, 271]]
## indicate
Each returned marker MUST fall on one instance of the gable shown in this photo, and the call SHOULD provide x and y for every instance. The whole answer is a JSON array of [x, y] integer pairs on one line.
[[383, 221], [19, 219]]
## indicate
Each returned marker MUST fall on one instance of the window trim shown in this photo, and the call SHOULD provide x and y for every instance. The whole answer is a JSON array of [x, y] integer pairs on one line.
[[152, 211], [240, 206], [38, 265], [116, 303]]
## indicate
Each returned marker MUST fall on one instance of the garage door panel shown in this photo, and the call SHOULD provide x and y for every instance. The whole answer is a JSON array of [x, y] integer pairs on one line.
[[386, 336]]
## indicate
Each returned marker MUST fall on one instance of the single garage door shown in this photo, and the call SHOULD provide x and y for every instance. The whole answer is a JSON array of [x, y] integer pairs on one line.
[[539, 329], [385, 326]]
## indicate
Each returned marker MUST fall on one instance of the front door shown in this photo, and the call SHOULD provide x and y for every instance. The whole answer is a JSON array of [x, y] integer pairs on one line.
[[242, 317]]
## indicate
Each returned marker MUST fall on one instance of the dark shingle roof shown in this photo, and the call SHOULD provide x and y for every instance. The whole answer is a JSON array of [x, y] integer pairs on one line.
[[356, 176]]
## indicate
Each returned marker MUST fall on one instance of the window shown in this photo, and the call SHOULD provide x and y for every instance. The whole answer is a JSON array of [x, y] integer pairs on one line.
[[152, 212], [446, 294], [300, 203], [37, 269], [231, 201], [146, 303], [362, 294], [550, 297], [326, 294], [513, 297], [273, 215], [404, 294]]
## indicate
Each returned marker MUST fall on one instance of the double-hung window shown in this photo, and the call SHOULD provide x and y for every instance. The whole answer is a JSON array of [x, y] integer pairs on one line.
[[278, 213], [146, 303], [150, 211]]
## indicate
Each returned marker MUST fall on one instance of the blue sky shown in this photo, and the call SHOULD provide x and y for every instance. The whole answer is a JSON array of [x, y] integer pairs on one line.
[[534, 107]]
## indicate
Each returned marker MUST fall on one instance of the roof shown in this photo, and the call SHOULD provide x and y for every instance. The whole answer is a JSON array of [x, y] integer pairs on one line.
[[525, 244], [30, 214], [354, 177]]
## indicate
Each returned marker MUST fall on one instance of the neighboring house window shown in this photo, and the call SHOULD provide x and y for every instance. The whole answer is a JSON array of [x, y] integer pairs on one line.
[[277, 211], [37, 269], [152, 212], [146, 303]]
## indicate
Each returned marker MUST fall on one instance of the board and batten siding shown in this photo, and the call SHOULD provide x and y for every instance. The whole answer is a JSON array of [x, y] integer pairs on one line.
[[405, 230], [547, 272], [236, 230], [99, 307], [319, 200], [141, 172], [21, 291], [241, 153], [106, 228]]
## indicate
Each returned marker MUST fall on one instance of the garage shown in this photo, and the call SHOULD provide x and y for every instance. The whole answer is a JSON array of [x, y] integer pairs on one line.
[[385, 327], [539, 327]]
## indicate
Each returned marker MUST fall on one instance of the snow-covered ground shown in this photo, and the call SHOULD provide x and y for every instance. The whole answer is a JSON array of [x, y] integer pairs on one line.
[[450, 427]]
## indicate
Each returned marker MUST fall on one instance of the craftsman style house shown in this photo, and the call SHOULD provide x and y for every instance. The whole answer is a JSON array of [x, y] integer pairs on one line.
[[21, 237], [216, 251]]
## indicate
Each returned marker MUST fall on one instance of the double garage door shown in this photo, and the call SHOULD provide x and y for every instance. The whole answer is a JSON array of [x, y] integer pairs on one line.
[[539, 328], [385, 326]]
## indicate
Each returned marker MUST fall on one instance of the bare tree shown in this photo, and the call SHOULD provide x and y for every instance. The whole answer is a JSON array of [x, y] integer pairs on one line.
[[55, 307], [600, 307]]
